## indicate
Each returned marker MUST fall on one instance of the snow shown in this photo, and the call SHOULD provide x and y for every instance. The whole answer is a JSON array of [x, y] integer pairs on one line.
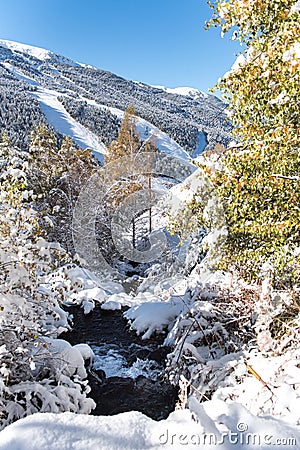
[[37, 52], [69, 360], [61, 120], [293, 53], [162, 141], [18, 74], [185, 91], [112, 305], [84, 277], [58, 116], [148, 131], [281, 373], [181, 193], [220, 425], [86, 352], [94, 293], [296, 7], [148, 318], [240, 61]]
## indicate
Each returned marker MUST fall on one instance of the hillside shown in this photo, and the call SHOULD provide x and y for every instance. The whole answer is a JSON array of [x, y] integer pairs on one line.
[[87, 103]]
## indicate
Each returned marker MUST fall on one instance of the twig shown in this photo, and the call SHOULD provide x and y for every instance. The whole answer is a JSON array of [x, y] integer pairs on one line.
[[278, 175], [258, 377]]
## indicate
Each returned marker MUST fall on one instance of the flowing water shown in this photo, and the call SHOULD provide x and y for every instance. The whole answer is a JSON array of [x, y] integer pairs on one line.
[[127, 373]]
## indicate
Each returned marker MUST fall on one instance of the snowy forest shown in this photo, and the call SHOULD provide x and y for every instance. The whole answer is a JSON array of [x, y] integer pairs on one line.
[[82, 89], [150, 296]]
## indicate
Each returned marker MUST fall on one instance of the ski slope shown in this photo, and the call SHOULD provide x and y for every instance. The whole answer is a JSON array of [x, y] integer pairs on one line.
[[62, 121], [58, 116], [148, 131]]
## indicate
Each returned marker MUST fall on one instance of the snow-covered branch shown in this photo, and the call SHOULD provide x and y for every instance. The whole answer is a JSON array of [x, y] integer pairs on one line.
[[278, 175]]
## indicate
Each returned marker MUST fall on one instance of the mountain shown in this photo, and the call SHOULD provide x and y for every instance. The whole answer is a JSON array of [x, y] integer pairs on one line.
[[86, 103]]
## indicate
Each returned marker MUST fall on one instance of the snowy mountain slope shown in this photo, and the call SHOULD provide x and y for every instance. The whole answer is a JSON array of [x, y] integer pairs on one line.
[[184, 120], [61, 120], [36, 52], [58, 117], [39, 53], [148, 131], [183, 90]]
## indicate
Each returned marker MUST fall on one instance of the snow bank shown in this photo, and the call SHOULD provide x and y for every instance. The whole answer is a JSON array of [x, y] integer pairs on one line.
[[221, 425], [85, 289]]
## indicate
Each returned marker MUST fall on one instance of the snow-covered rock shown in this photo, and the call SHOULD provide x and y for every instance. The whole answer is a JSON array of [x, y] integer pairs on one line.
[[67, 359], [151, 317]]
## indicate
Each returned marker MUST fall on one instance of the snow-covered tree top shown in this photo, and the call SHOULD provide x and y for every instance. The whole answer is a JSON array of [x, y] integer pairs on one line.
[[183, 90], [37, 52]]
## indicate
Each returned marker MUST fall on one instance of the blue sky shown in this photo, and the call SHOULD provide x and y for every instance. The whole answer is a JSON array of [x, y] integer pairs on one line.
[[160, 42]]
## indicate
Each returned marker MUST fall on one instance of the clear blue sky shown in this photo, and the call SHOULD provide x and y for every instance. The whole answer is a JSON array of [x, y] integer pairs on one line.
[[159, 42]]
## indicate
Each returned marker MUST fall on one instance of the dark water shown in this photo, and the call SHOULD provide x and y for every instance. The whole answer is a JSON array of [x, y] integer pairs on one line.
[[128, 373]]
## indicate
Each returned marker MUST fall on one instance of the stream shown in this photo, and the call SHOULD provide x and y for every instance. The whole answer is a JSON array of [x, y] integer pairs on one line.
[[127, 372]]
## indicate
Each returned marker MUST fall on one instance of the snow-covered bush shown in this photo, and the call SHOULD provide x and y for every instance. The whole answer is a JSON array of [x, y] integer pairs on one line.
[[257, 181], [28, 382], [237, 343]]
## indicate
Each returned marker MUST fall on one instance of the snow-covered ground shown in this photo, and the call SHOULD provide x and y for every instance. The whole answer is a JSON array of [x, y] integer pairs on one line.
[[243, 413], [148, 131], [222, 403], [219, 425], [58, 116], [61, 120]]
